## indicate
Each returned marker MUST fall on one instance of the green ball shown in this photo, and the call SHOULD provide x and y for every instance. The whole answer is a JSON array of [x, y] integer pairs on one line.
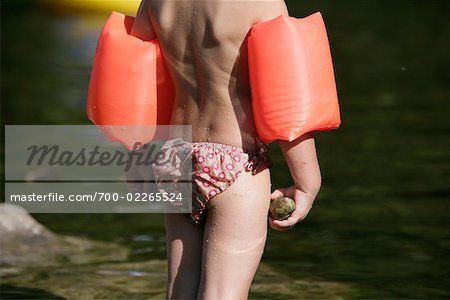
[[281, 208]]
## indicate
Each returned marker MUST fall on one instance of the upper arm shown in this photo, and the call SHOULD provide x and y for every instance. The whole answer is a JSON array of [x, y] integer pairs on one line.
[[142, 27]]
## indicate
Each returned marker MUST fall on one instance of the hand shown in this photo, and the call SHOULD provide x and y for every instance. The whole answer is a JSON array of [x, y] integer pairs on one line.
[[303, 203], [140, 177]]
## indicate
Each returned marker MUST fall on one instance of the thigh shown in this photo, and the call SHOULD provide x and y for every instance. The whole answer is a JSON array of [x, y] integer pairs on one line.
[[234, 237], [184, 256]]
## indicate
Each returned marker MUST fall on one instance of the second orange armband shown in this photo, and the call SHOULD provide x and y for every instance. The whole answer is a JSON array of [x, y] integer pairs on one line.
[[292, 78]]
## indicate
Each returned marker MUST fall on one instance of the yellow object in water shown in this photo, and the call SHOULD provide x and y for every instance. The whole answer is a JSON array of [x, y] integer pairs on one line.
[[128, 7]]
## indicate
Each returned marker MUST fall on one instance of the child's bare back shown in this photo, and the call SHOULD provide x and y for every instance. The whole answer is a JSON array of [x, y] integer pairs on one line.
[[204, 45]]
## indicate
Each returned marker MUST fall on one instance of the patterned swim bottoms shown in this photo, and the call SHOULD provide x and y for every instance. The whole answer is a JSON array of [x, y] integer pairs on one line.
[[215, 167]]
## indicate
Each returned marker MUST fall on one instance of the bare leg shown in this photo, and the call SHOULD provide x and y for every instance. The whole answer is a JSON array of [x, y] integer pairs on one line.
[[234, 238], [184, 256]]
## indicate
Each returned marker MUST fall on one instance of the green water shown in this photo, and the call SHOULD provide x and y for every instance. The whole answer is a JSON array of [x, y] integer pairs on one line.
[[380, 223]]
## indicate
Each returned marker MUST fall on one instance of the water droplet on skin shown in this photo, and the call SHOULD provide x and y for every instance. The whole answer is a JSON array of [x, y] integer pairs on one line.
[[122, 128], [134, 138]]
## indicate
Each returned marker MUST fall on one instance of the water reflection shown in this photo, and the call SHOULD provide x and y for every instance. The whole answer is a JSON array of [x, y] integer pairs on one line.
[[131, 273]]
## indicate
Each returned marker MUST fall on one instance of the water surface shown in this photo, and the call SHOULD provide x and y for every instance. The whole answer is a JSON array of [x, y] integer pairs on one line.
[[380, 223]]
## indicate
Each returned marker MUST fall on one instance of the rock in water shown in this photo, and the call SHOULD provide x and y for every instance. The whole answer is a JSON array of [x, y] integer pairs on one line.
[[281, 208], [26, 243]]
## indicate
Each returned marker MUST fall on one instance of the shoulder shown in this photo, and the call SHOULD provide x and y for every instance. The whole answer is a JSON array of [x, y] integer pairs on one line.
[[268, 9], [142, 27]]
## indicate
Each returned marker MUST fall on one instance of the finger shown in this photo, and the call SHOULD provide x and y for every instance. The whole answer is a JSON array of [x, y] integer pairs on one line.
[[281, 192], [285, 224], [275, 226], [288, 223], [276, 194], [300, 213]]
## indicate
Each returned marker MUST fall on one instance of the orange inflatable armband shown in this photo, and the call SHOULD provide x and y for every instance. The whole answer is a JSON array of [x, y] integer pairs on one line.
[[129, 84], [292, 78]]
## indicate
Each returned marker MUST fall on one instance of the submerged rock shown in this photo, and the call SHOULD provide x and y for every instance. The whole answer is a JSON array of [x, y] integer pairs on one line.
[[147, 280], [281, 208], [113, 280], [27, 243]]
